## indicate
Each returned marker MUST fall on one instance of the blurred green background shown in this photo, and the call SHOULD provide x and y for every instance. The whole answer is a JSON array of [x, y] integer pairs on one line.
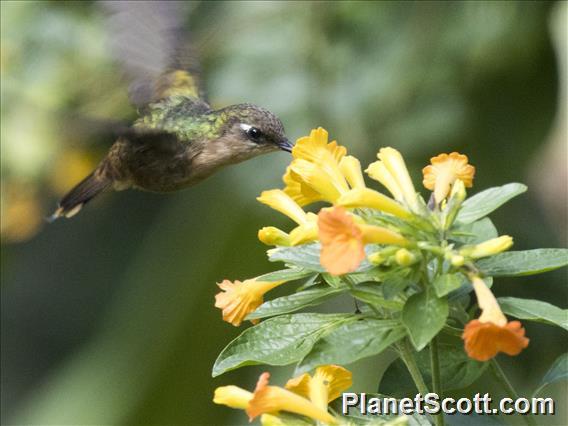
[[108, 318]]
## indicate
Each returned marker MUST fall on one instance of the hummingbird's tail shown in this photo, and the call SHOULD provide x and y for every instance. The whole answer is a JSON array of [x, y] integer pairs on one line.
[[82, 193]]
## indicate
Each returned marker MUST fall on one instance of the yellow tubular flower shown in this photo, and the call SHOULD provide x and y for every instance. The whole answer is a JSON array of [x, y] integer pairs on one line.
[[326, 385], [312, 147], [379, 172], [232, 396], [306, 232], [491, 333], [314, 174], [443, 171], [396, 166], [271, 399], [280, 201], [343, 240], [366, 197], [323, 177], [488, 248], [351, 169], [273, 236], [298, 190], [239, 299]]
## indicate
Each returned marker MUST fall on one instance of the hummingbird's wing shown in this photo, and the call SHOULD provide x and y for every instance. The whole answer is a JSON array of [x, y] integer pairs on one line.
[[150, 40]]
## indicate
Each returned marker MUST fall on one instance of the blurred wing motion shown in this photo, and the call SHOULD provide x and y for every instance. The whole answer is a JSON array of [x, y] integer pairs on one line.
[[149, 40]]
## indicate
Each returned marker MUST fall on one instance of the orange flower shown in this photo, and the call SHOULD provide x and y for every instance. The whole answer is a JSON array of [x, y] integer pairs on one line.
[[271, 399], [483, 340], [491, 333], [443, 172], [239, 299], [343, 241]]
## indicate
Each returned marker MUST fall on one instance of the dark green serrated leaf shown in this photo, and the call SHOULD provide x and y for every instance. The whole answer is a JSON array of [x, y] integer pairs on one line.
[[277, 341], [527, 262], [372, 293], [353, 340], [484, 202], [424, 315], [476, 232], [286, 275], [558, 372], [445, 283], [296, 301], [534, 310], [457, 370]]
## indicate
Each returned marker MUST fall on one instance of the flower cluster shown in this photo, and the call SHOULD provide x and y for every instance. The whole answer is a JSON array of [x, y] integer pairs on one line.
[[412, 262]]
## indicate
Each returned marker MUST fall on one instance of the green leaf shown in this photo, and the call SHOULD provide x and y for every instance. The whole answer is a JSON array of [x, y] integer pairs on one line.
[[286, 275], [286, 304], [445, 283], [424, 315], [534, 310], [304, 256], [372, 293], [457, 370], [484, 202], [393, 284], [527, 262], [476, 232], [558, 372], [353, 340], [333, 280], [277, 341], [307, 256]]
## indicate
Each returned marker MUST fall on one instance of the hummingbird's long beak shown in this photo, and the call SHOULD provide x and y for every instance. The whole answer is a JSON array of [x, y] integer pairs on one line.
[[285, 145]]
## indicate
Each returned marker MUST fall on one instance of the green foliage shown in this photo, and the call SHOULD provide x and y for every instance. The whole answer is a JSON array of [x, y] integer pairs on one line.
[[283, 305], [277, 341], [483, 203], [446, 283], [557, 372], [534, 310], [527, 262], [353, 340], [458, 371], [424, 315]]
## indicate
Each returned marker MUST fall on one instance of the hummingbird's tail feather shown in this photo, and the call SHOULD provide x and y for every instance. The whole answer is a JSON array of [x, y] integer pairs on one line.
[[82, 193]]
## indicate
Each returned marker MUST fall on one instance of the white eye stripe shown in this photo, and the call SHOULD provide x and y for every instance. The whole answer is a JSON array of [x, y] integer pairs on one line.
[[245, 127]]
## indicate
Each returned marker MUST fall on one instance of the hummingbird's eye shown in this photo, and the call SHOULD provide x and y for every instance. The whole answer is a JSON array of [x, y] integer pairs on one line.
[[254, 134]]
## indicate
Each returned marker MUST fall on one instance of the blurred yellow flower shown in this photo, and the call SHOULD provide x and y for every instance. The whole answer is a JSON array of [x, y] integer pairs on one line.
[[70, 167], [238, 299], [343, 240], [326, 384], [443, 171], [272, 399], [392, 173], [491, 333], [22, 215]]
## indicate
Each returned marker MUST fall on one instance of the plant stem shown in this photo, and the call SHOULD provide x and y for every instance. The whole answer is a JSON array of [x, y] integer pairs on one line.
[[436, 382], [410, 362], [509, 389]]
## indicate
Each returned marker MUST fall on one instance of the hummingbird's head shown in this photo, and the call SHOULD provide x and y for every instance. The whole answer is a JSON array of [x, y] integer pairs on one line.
[[251, 131]]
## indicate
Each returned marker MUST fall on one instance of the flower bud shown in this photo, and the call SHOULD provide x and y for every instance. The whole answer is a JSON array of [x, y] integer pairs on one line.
[[488, 248], [405, 258]]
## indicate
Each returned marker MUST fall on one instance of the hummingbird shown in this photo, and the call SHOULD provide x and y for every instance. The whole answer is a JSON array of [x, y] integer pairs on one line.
[[178, 139]]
